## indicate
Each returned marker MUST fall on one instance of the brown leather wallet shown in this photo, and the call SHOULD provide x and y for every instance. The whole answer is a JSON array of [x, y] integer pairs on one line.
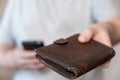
[[71, 58]]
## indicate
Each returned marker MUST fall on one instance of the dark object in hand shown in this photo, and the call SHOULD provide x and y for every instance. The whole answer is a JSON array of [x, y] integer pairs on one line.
[[31, 45], [71, 58]]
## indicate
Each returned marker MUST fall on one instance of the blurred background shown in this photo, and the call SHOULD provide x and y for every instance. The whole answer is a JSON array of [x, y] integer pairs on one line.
[[6, 74], [2, 7]]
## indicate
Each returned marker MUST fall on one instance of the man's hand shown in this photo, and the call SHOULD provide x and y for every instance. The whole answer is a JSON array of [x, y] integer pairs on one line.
[[98, 32], [21, 58]]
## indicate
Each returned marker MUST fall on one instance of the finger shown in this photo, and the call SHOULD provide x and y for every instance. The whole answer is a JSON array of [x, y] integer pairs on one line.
[[33, 66], [85, 36], [40, 66], [28, 61], [106, 65], [25, 54], [28, 55]]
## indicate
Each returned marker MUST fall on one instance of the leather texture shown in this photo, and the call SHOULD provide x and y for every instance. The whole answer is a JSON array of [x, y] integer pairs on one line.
[[71, 58]]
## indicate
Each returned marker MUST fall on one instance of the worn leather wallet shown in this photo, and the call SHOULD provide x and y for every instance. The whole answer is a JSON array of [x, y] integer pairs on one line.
[[71, 58]]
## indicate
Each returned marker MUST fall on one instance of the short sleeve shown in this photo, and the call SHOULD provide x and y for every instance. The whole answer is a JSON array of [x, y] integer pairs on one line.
[[103, 9], [6, 25]]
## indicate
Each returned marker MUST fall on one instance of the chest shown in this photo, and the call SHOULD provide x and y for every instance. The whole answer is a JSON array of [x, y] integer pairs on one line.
[[42, 19]]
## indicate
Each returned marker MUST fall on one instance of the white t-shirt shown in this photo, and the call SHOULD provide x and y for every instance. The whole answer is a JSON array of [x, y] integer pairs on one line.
[[48, 20]]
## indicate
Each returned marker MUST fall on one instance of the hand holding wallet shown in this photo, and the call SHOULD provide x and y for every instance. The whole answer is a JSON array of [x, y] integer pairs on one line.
[[71, 58]]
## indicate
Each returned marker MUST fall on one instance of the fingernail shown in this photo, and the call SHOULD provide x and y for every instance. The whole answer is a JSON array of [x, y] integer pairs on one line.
[[81, 38]]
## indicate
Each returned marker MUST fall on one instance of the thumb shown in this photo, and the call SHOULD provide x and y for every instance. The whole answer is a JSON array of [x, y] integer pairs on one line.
[[85, 36]]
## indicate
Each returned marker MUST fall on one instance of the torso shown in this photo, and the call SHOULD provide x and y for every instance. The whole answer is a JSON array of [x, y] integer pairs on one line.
[[49, 20]]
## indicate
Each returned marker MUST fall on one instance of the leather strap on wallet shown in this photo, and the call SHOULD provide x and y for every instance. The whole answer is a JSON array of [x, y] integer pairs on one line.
[[71, 58]]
